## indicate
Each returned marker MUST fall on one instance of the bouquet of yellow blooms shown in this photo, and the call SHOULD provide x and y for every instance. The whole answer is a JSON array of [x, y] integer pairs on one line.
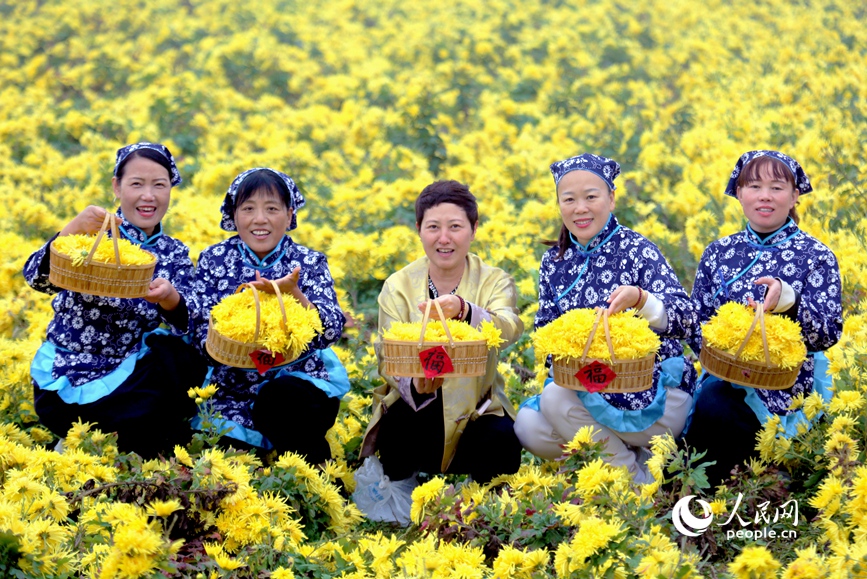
[[460, 331], [566, 337], [77, 248], [727, 329], [234, 317]]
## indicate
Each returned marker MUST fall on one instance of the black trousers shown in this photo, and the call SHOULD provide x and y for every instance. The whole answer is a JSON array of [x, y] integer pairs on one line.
[[150, 411], [724, 426], [295, 415], [410, 441]]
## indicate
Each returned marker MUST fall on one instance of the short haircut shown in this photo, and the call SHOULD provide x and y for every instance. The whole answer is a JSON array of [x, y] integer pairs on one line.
[[440, 192]]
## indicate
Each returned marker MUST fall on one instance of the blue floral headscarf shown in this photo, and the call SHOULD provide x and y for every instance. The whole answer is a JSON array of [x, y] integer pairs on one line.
[[603, 167], [802, 182], [125, 152], [296, 200]]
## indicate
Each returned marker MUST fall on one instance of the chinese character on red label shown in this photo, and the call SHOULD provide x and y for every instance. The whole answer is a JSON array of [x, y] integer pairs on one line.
[[595, 376], [265, 360], [435, 362]]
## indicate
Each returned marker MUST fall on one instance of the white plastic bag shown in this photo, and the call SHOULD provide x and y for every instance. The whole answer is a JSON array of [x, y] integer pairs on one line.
[[381, 499]]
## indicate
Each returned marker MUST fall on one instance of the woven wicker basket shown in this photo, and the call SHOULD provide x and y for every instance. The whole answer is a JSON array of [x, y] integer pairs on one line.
[[400, 358], [632, 375], [234, 353], [732, 369], [110, 280]]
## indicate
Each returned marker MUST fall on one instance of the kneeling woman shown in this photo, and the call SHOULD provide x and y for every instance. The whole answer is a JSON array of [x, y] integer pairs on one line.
[[104, 359], [290, 407], [598, 262], [793, 274], [451, 425]]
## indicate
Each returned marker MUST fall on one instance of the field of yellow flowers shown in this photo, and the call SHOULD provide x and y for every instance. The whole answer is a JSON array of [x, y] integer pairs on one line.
[[363, 103]]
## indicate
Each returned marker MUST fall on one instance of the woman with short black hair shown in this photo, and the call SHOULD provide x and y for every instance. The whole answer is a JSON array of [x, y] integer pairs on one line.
[[447, 425]]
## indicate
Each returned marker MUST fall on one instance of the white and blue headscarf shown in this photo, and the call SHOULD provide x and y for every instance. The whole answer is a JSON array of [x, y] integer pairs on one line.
[[603, 167], [296, 200], [802, 182], [125, 152]]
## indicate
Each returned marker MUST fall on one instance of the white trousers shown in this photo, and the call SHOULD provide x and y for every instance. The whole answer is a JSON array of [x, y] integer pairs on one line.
[[563, 414]]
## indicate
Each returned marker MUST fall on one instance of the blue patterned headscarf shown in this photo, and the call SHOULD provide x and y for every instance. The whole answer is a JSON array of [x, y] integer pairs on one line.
[[296, 200], [125, 152], [603, 167], [802, 182]]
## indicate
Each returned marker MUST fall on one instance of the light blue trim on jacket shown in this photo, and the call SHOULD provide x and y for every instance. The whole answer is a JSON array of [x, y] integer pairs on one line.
[[337, 384], [43, 365], [236, 431], [821, 384], [670, 376]]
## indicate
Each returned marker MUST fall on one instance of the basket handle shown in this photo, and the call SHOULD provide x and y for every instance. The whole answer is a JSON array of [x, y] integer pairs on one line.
[[258, 309], [427, 318], [109, 219], [599, 313], [608, 334], [280, 301], [759, 319]]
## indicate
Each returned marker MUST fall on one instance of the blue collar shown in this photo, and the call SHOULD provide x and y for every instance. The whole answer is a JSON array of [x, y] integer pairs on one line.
[[788, 230], [249, 257], [136, 235], [604, 236]]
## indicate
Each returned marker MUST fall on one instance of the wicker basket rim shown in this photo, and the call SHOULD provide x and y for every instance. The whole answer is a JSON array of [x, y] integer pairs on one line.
[[740, 361], [105, 264], [415, 343], [568, 359]]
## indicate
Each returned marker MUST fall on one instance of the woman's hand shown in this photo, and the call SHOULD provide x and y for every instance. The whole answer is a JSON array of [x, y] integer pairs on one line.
[[288, 284], [623, 298], [162, 292], [87, 222], [772, 294], [450, 304], [426, 386]]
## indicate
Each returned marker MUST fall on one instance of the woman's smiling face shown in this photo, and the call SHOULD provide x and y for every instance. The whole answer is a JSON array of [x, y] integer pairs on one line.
[[585, 204], [766, 201], [144, 192], [446, 234], [262, 220]]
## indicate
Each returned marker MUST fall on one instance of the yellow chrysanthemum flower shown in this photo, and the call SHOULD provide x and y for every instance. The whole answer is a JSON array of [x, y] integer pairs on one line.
[[78, 248], [754, 563], [164, 508], [727, 329], [235, 318], [565, 337], [435, 333]]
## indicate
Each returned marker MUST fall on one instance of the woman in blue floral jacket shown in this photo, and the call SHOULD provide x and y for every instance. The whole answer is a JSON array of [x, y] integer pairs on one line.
[[290, 407], [106, 360], [598, 262], [793, 274]]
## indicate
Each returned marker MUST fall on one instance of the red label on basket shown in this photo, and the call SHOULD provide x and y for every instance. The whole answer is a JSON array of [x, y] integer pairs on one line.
[[435, 362], [595, 376], [265, 360]]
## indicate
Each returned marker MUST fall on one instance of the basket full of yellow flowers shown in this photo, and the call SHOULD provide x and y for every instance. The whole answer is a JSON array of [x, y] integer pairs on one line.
[[112, 268], [247, 327], [621, 361], [733, 351], [466, 346]]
